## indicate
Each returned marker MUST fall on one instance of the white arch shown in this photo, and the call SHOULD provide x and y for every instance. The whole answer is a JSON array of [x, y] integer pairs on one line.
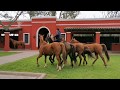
[[38, 31]]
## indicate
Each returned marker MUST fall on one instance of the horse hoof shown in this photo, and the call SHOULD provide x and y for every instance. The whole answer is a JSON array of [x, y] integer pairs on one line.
[[105, 66], [45, 65]]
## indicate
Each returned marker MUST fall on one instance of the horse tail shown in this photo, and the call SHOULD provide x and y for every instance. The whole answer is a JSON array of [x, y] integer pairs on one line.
[[63, 52], [106, 52], [73, 53]]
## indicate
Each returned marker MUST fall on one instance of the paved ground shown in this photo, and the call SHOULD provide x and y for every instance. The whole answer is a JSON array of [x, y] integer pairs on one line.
[[19, 75], [18, 56]]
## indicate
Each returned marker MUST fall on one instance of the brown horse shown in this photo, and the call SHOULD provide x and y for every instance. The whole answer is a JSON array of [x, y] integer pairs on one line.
[[81, 50], [16, 43], [70, 50], [52, 49], [97, 49]]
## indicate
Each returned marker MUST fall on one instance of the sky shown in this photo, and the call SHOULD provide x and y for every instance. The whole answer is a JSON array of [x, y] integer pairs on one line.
[[82, 15], [90, 14]]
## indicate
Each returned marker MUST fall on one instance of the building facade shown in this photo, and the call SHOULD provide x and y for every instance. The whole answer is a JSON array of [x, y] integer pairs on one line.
[[105, 31]]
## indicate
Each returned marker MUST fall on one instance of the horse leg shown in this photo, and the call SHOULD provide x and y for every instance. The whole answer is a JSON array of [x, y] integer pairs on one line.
[[80, 59], [84, 59], [53, 58], [71, 60], [23, 46], [103, 59], [45, 61], [62, 64], [50, 58], [14, 46], [96, 54], [59, 62], [38, 59]]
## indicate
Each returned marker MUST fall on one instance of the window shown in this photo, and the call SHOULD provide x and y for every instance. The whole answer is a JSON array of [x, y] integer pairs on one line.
[[63, 35], [26, 38]]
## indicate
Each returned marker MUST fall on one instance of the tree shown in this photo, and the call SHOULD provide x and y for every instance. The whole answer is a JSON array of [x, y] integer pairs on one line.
[[111, 14], [6, 27], [69, 14], [11, 19], [63, 14]]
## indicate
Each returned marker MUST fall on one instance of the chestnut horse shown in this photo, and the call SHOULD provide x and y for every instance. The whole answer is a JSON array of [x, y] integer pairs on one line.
[[16, 43], [70, 50], [97, 49], [81, 50], [52, 49]]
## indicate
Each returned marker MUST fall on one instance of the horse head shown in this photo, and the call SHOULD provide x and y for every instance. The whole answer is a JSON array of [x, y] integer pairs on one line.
[[73, 40]]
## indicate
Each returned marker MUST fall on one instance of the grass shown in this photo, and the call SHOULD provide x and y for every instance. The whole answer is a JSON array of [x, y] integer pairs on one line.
[[7, 53], [98, 71]]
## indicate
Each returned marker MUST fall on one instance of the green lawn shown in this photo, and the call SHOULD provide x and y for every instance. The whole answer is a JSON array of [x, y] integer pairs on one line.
[[98, 71], [7, 53]]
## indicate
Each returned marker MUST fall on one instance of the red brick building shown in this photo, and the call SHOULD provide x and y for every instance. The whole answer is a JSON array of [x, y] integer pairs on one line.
[[85, 30]]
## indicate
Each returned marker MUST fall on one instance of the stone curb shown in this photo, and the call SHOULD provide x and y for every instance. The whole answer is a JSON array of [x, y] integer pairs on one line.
[[23, 74]]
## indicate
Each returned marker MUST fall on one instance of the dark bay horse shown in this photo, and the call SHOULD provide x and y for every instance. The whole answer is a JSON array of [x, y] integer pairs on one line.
[[97, 49], [52, 49], [16, 43], [70, 50]]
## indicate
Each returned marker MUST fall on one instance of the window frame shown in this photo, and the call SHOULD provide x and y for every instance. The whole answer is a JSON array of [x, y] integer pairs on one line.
[[28, 38], [64, 34]]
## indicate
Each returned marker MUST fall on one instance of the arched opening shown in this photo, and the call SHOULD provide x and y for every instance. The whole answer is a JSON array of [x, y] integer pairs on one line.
[[43, 31]]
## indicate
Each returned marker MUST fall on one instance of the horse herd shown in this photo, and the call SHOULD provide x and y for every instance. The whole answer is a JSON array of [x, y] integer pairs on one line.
[[74, 49]]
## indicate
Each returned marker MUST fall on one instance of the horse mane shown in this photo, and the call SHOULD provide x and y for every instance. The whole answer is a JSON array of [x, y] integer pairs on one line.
[[49, 39]]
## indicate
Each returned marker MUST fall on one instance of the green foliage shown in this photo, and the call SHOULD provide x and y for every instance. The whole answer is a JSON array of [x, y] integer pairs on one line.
[[98, 71]]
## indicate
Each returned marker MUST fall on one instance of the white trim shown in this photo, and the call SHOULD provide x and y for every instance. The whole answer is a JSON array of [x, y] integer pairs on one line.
[[22, 25], [38, 31], [97, 32], [28, 38], [19, 25], [16, 21], [45, 22], [6, 32], [91, 24], [68, 32]]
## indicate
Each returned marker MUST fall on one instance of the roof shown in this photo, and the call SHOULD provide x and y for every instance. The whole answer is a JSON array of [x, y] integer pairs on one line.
[[12, 29], [105, 29]]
